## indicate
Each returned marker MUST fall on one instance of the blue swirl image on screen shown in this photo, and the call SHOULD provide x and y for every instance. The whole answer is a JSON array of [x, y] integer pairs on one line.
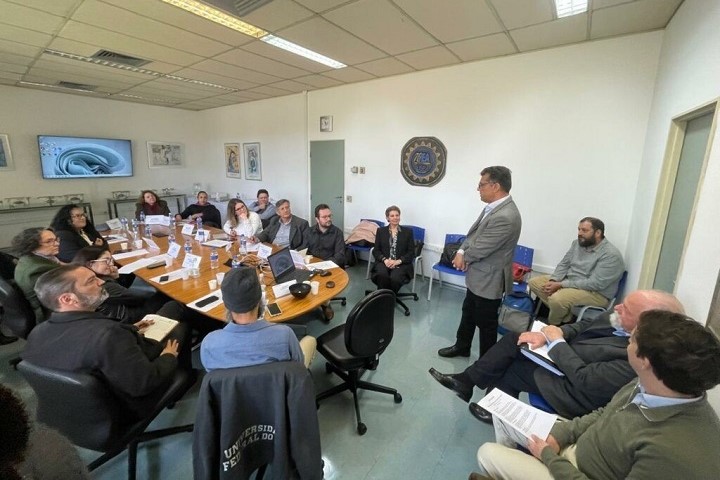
[[66, 157]]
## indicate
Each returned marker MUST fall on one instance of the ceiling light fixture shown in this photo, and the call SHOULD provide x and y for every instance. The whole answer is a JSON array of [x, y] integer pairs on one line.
[[138, 97], [217, 16], [567, 8], [200, 82], [58, 87], [302, 51]]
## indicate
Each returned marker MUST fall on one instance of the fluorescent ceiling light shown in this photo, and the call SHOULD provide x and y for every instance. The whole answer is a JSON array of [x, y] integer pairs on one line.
[[302, 51], [217, 16], [567, 8], [45, 85]]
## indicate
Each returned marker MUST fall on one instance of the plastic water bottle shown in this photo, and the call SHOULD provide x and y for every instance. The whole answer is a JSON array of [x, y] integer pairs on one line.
[[134, 224], [171, 237], [172, 224], [148, 231], [142, 217], [188, 246], [214, 263], [199, 223], [124, 225], [201, 236], [235, 262], [243, 245]]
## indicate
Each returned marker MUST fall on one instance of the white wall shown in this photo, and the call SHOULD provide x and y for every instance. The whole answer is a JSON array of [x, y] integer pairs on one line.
[[688, 76], [569, 122]]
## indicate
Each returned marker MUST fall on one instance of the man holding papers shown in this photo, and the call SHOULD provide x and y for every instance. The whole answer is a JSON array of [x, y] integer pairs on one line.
[[591, 354], [76, 338], [659, 426]]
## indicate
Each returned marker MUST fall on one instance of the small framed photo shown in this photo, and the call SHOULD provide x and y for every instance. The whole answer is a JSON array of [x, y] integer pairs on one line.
[[6, 160], [232, 160], [326, 123], [253, 162], [165, 154]]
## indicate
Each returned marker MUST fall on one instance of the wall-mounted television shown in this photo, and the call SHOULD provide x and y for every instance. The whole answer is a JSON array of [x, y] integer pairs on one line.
[[81, 157]]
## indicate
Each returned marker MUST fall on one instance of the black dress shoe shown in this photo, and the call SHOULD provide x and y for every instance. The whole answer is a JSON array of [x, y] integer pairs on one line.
[[454, 351], [480, 413], [462, 390], [6, 339]]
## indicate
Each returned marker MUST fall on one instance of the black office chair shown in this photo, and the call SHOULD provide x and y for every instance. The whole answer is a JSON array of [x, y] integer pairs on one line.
[[234, 402], [84, 409], [15, 313], [356, 346]]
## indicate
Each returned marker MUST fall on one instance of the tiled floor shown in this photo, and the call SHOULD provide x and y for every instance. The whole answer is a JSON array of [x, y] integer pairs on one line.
[[430, 435]]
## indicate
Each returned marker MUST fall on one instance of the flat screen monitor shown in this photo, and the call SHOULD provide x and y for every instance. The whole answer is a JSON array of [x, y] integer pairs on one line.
[[80, 157]]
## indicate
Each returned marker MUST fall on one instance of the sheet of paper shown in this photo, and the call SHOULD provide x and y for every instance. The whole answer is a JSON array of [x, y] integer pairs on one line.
[[298, 258], [282, 289], [216, 243], [188, 229], [264, 251], [252, 246], [545, 361], [202, 235], [114, 224], [303, 252], [160, 328], [519, 419], [207, 308], [151, 244], [172, 276], [326, 265], [134, 253], [157, 220], [174, 250], [191, 261], [141, 263], [112, 239]]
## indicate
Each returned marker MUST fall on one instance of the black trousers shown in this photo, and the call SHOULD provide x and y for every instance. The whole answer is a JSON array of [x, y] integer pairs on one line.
[[480, 313], [391, 279], [504, 367]]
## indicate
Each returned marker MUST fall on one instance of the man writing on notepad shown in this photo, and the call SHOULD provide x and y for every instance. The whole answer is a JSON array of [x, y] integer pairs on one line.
[[76, 338], [591, 354]]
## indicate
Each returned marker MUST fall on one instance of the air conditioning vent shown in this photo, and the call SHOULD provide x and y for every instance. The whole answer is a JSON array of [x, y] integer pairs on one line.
[[238, 8], [77, 86], [120, 58]]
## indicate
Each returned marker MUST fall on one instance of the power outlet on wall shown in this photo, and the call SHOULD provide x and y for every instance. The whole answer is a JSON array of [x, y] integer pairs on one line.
[[348, 198], [362, 170]]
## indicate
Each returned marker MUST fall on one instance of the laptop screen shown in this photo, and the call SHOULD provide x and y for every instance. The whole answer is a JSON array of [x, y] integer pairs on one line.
[[281, 262]]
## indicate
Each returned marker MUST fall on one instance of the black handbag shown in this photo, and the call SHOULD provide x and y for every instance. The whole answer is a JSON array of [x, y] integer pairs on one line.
[[448, 253]]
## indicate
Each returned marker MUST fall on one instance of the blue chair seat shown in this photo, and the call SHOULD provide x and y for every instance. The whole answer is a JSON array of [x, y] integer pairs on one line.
[[438, 267]]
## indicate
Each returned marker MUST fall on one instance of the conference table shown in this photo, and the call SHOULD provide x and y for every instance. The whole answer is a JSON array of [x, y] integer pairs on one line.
[[190, 290]]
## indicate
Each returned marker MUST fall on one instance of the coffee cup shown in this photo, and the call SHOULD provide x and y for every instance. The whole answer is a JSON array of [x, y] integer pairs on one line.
[[315, 287], [185, 273], [220, 276], [212, 284], [123, 245]]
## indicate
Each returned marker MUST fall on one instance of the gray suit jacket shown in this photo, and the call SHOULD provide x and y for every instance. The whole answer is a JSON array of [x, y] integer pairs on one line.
[[489, 249], [595, 365]]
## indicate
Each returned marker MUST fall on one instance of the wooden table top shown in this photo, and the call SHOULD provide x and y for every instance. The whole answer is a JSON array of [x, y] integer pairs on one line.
[[187, 291]]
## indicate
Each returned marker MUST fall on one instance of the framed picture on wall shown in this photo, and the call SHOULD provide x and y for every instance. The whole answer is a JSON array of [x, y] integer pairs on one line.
[[232, 160], [326, 123], [253, 162], [165, 154], [6, 161]]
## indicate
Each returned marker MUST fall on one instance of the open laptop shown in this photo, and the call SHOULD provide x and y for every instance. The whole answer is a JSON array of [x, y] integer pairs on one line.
[[283, 268]]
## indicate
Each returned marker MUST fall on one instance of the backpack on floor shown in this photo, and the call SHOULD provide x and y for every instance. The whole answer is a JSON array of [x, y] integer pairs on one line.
[[516, 312]]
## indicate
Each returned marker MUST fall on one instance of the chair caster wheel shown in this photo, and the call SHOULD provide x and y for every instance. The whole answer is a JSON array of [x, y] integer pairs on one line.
[[407, 313], [415, 298], [361, 429], [343, 302], [328, 369], [398, 398]]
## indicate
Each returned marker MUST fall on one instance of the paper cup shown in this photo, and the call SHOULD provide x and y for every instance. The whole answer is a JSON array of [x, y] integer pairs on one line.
[[138, 244], [168, 261], [212, 284], [220, 276], [315, 287], [195, 272], [123, 246], [185, 274]]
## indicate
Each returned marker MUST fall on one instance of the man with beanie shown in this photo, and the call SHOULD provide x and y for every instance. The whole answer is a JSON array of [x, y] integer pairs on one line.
[[248, 339]]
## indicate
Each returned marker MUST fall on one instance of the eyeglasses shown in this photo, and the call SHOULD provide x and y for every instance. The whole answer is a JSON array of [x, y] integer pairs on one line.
[[109, 261], [237, 209], [51, 241], [481, 184], [77, 215]]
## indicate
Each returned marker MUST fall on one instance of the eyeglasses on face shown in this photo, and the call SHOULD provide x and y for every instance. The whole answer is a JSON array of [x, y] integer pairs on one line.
[[482, 184], [50, 241], [109, 261], [239, 207]]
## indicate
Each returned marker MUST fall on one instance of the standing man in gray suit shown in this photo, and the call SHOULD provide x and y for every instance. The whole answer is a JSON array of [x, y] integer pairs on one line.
[[486, 258]]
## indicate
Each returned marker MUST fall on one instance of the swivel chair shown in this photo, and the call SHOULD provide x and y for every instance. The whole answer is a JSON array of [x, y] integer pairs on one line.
[[83, 408], [355, 346]]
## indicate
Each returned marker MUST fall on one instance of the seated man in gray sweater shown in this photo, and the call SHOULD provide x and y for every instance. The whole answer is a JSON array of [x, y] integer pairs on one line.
[[588, 274], [659, 426]]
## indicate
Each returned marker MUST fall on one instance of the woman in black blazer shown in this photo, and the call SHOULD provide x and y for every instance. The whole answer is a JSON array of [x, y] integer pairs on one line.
[[74, 232], [394, 253]]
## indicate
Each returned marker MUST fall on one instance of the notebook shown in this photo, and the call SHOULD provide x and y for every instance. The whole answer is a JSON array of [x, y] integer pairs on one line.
[[283, 268]]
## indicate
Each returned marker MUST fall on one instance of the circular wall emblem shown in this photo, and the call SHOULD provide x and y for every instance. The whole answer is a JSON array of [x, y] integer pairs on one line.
[[423, 161]]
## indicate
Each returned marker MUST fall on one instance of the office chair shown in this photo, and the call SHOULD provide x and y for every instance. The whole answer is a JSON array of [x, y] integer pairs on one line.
[[584, 311], [440, 268], [84, 409], [17, 314], [234, 401], [354, 347], [523, 257]]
